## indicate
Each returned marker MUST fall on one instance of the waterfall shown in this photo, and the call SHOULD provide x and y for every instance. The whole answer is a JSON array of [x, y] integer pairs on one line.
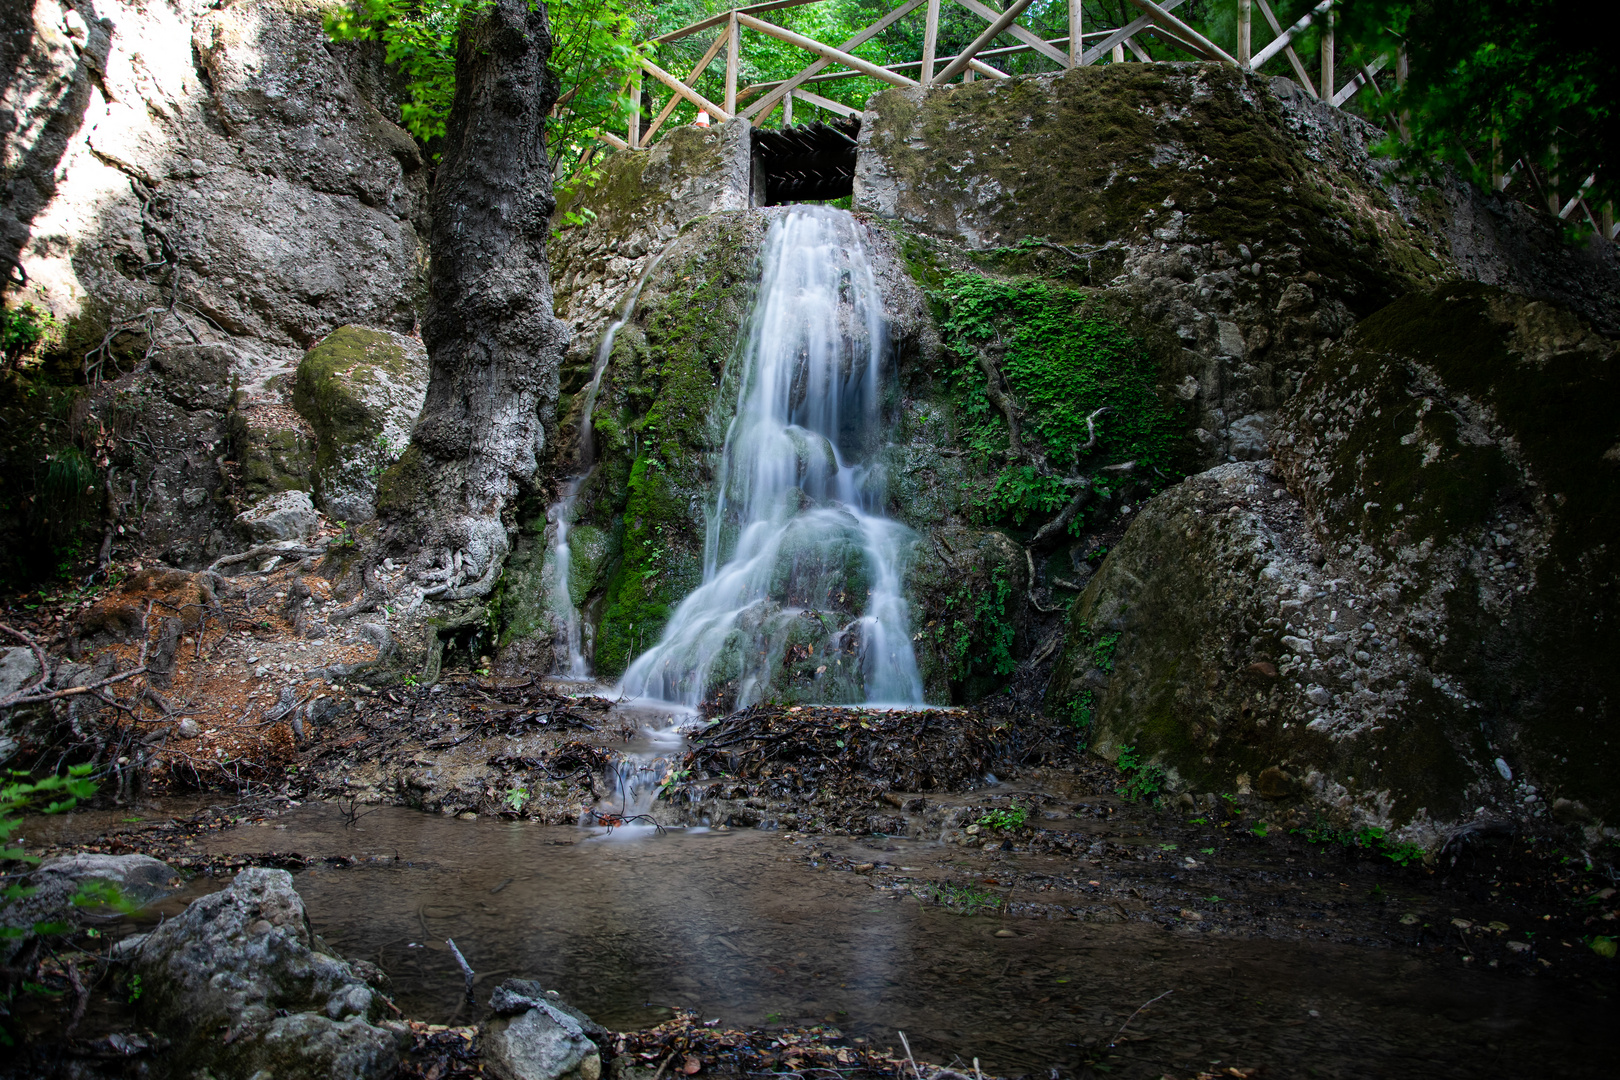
[[561, 512], [800, 564]]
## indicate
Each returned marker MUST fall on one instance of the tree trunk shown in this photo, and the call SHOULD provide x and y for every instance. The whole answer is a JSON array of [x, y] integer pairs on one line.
[[490, 333]]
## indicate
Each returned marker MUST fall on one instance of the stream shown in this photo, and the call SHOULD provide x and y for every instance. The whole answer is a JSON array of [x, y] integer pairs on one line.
[[755, 928]]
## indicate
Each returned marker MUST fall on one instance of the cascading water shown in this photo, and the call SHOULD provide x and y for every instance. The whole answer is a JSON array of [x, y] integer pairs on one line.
[[572, 664], [798, 554]]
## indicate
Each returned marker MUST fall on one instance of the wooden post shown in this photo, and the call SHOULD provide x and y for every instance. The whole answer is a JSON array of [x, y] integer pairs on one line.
[[1118, 55], [787, 109], [733, 58], [1245, 22], [1607, 220], [1076, 34], [1496, 161], [991, 32], [930, 42], [1327, 58], [635, 112]]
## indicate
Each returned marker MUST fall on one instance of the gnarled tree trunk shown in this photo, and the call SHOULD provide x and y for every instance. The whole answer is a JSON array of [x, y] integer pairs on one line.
[[491, 336]]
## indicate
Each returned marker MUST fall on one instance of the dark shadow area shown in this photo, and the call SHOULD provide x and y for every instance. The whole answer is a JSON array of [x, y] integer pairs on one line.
[[807, 162]]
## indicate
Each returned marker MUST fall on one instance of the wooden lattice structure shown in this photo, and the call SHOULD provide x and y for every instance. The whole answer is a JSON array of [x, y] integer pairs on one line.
[[1079, 48]]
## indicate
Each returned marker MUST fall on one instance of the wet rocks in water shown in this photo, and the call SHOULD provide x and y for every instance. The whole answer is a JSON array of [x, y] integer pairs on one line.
[[534, 1036], [240, 984], [134, 879]]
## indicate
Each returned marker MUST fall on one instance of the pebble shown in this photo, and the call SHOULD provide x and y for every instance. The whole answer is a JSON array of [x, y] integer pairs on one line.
[[1005, 933]]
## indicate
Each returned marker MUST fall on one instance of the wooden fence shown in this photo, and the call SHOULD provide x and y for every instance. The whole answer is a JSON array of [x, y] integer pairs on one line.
[[1079, 48]]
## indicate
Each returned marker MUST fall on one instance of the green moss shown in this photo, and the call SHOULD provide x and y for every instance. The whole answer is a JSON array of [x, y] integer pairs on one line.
[[402, 486], [1102, 154], [268, 459], [1065, 356]]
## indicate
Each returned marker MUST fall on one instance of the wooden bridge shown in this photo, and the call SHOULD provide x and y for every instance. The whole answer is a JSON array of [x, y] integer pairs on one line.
[[1080, 48], [829, 145]]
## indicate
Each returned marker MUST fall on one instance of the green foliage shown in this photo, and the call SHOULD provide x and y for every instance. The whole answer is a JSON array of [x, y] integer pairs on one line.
[[52, 795], [974, 634], [1368, 838], [1522, 72], [964, 899], [1063, 361], [1143, 780], [1005, 820], [1102, 651], [1603, 945], [1081, 712], [593, 50], [516, 796], [21, 329]]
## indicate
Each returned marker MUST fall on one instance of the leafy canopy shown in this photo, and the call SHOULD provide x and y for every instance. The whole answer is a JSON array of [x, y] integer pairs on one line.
[[1537, 75], [593, 51]]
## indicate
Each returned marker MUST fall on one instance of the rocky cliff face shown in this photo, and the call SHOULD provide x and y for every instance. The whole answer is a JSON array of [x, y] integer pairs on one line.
[[197, 194], [1193, 250], [1404, 620]]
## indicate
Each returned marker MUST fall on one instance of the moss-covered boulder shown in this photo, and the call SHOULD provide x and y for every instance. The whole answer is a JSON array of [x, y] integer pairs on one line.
[[361, 390], [273, 447], [1406, 620]]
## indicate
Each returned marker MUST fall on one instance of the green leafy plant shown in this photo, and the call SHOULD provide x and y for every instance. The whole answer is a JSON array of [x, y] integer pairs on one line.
[[1603, 945], [965, 899], [134, 989], [1368, 838], [21, 329], [515, 797], [1102, 652], [1143, 780], [1005, 820], [1262, 830]]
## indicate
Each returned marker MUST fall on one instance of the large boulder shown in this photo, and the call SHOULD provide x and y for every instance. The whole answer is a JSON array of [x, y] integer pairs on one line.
[[1404, 621], [361, 390], [287, 515], [240, 983]]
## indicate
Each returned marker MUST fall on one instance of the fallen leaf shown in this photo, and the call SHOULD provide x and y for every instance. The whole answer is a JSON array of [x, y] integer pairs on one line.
[[691, 1065]]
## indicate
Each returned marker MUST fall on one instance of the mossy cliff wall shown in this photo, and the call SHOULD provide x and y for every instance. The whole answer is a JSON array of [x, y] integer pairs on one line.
[[1407, 620]]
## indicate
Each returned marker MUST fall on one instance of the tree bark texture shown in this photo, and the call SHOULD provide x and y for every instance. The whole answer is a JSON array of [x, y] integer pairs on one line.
[[492, 339]]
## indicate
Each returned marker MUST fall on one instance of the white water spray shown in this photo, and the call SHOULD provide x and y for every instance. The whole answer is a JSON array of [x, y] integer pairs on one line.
[[561, 512], [797, 533]]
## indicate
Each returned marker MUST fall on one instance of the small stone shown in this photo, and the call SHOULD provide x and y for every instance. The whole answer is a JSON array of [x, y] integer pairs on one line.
[[1005, 933], [187, 729], [1299, 645], [1191, 916], [1518, 946], [1502, 767], [865, 868], [1409, 919]]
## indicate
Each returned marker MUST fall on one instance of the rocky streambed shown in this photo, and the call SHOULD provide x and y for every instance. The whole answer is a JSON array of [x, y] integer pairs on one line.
[[977, 885]]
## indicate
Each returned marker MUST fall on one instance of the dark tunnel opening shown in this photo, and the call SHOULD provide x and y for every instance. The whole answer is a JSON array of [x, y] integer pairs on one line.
[[805, 163]]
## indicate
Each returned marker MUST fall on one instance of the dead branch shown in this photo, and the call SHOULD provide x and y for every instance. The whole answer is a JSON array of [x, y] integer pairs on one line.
[[1000, 393], [17, 699], [467, 971], [264, 551], [39, 655]]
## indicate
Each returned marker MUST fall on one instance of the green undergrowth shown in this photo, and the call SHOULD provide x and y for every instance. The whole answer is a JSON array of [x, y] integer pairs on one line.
[[1063, 358], [1369, 838], [974, 635], [1143, 780]]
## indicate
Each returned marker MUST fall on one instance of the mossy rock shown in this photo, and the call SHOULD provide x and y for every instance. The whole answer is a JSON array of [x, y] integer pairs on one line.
[[361, 390], [1114, 152], [273, 453]]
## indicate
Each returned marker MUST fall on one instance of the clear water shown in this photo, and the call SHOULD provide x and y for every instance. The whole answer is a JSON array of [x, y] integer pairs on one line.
[[799, 550], [571, 648], [738, 926]]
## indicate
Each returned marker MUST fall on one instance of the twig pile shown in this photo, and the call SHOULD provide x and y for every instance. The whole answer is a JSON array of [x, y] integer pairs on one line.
[[684, 1046]]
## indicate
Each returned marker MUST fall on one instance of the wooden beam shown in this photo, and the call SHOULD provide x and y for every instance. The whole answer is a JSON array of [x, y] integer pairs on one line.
[[1363, 78], [1300, 76], [1118, 55], [1077, 37], [865, 67], [787, 107], [986, 70], [634, 138], [683, 90], [1137, 50], [930, 41], [733, 58], [827, 103], [1163, 17], [725, 17], [1244, 26], [808, 73], [990, 15], [991, 32], [1170, 37], [1328, 76], [691, 80], [1286, 38], [613, 140], [1117, 37]]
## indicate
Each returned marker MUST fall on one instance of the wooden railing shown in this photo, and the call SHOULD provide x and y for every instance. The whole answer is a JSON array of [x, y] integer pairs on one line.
[[1079, 48]]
